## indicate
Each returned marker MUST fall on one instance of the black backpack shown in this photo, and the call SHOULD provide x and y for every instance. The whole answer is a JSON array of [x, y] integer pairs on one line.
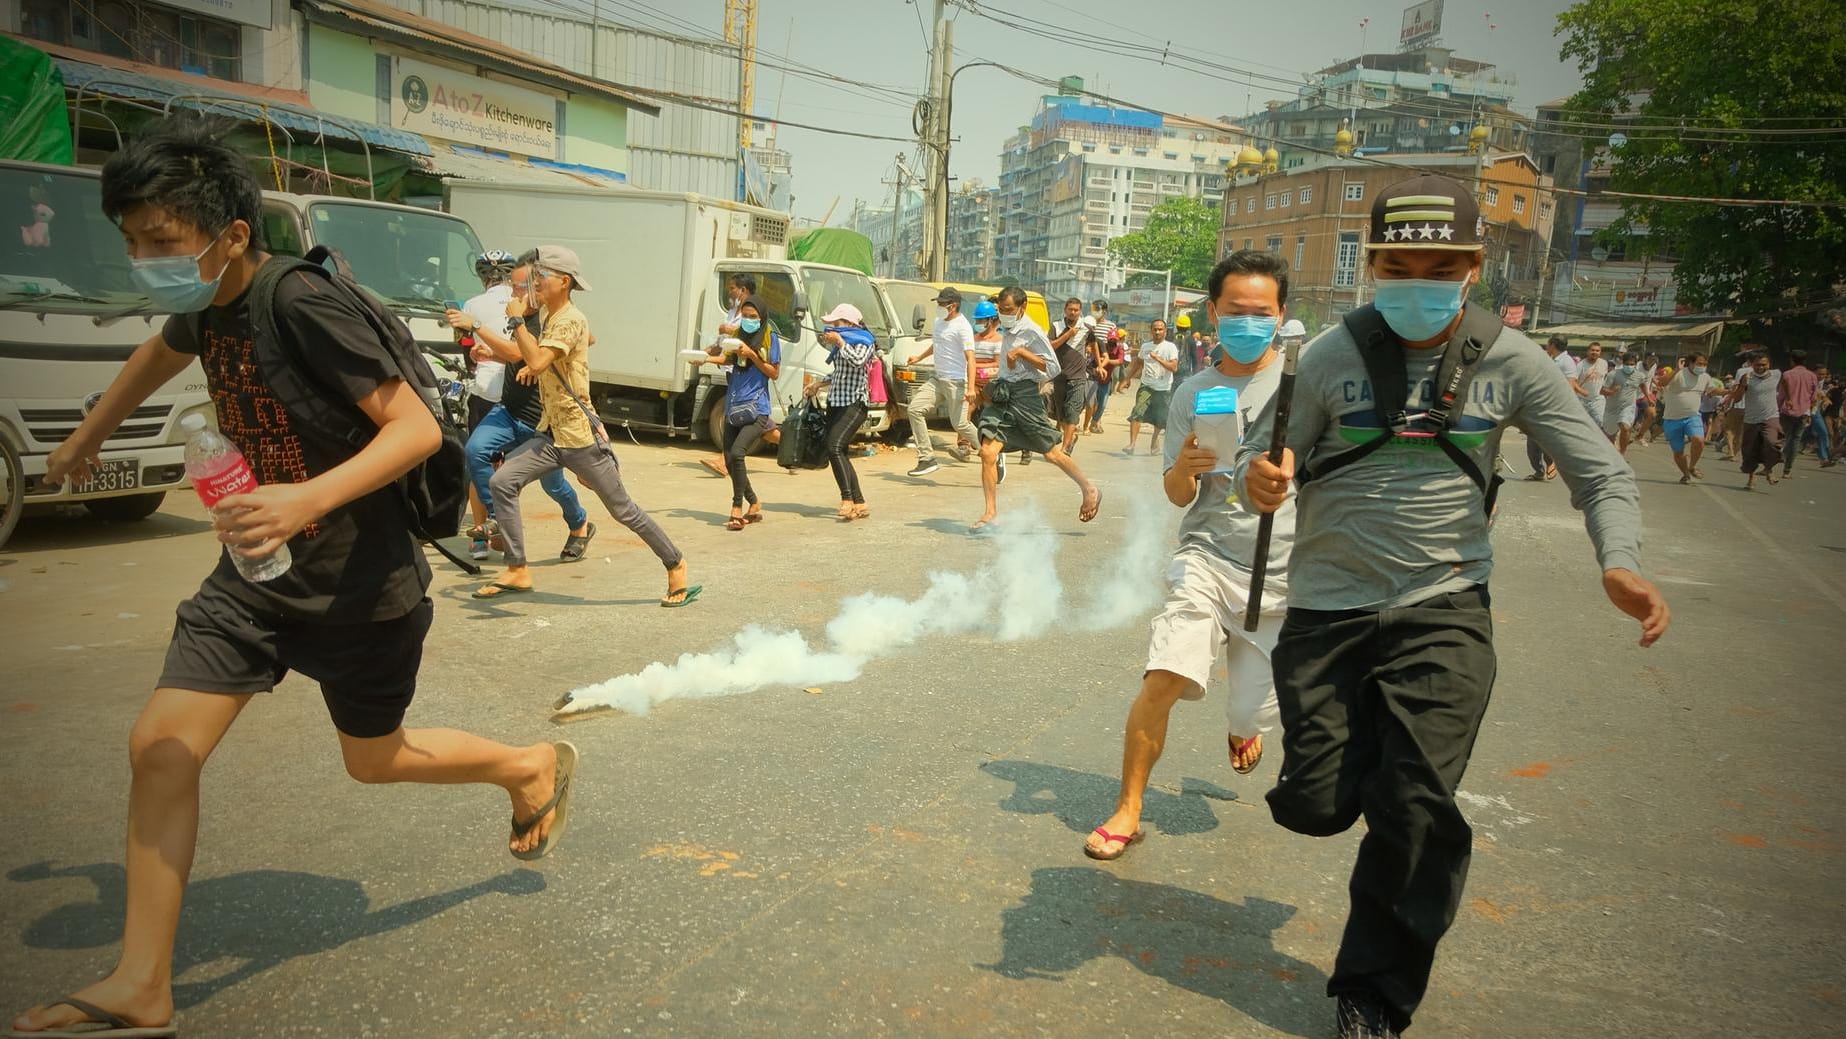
[[435, 489], [1383, 354]]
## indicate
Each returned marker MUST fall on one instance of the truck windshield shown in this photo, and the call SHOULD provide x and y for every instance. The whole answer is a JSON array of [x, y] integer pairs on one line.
[[906, 296], [411, 258], [57, 250], [828, 289]]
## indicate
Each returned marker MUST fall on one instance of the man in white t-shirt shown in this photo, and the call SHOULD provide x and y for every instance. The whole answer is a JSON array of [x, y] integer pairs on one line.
[[1542, 467], [1682, 393], [487, 310], [1156, 362], [952, 389]]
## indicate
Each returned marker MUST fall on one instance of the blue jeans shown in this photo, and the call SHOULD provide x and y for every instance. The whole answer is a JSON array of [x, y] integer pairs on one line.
[[499, 431], [1823, 438], [1102, 401]]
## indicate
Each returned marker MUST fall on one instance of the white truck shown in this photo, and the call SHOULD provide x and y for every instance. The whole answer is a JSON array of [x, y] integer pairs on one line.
[[658, 263], [69, 318]]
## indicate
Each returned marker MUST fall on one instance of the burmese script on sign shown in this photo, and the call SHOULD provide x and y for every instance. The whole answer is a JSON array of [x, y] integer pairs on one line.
[[456, 106]]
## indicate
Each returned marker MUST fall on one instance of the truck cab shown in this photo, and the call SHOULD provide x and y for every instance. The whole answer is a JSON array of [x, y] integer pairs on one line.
[[416, 260], [69, 318], [913, 308]]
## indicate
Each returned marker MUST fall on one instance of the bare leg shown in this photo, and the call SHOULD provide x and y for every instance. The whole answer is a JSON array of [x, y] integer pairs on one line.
[[1092, 498], [449, 756], [176, 733], [1695, 450], [1134, 434], [990, 480], [1143, 739], [475, 508]]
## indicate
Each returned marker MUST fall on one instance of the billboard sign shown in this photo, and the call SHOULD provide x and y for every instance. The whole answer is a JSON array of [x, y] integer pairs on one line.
[[1422, 24], [243, 12], [456, 106]]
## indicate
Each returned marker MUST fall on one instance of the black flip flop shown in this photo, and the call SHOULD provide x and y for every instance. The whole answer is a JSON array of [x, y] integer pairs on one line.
[[574, 546], [102, 1025], [504, 591], [560, 803]]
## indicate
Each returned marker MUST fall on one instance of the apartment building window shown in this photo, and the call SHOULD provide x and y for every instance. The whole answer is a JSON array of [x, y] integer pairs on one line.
[[1301, 250], [1519, 204], [1169, 155], [1246, 243], [1304, 196], [1355, 192], [1346, 260], [138, 31], [1493, 196], [1269, 201], [1249, 205], [1544, 211], [1286, 196], [1273, 244]]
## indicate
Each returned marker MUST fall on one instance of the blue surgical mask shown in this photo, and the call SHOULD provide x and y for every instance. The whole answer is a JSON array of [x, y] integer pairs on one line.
[[750, 324], [1627, 369], [173, 283], [1245, 337], [1698, 369], [1418, 308]]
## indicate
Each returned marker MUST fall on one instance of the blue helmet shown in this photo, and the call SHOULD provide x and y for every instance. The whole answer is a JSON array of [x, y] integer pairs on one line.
[[985, 309]]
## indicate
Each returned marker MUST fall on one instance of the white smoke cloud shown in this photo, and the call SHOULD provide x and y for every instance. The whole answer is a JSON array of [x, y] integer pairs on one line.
[[1018, 597]]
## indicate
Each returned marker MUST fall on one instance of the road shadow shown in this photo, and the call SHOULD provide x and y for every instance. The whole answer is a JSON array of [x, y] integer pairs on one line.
[[462, 595], [955, 528], [1199, 943], [807, 511], [70, 527], [246, 922], [1082, 800]]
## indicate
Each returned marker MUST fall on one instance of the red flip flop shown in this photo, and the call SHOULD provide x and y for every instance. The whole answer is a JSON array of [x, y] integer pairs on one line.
[[1237, 745], [1103, 856]]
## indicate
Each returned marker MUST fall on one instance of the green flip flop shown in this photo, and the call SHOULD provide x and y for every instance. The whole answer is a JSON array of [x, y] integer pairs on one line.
[[691, 596]]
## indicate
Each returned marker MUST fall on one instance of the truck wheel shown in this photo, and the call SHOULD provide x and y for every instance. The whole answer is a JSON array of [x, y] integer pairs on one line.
[[714, 420], [127, 508]]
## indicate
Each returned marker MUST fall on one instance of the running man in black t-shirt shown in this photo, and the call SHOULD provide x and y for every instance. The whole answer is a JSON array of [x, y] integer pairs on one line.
[[349, 613]]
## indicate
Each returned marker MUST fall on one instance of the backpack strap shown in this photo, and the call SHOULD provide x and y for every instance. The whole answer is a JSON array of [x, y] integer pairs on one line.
[[1383, 354], [290, 376]]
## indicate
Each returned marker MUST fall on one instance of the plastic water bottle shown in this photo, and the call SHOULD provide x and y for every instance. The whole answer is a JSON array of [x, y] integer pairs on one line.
[[218, 470], [1217, 425]]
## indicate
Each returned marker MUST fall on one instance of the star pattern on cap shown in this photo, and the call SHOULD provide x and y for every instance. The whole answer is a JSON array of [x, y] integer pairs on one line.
[[1448, 232], [1427, 233]]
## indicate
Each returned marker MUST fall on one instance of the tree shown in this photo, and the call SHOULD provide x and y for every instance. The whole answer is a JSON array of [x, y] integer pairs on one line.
[[1181, 235], [1724, 99]]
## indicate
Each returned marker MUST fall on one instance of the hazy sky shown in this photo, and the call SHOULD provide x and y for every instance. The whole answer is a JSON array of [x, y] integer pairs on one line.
[[883, 43]]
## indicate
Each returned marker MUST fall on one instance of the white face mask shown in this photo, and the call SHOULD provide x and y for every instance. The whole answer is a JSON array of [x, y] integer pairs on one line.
[[1008, 321], [942, 313]]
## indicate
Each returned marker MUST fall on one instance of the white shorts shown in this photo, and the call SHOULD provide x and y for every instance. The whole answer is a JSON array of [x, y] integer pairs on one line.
[[1202, 623]]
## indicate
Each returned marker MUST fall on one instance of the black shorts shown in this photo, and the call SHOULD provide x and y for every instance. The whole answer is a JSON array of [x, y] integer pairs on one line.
[[367, 671], [1070, 398]]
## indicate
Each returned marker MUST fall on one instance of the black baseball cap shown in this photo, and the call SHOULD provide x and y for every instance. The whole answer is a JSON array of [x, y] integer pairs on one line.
[[1425, 212], [949, 294]]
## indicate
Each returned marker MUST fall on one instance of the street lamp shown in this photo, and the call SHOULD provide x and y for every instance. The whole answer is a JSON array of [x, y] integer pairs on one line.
[[940, 232]]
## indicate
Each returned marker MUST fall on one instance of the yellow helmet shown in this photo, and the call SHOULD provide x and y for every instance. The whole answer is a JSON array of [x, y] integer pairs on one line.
[[1185, 321]]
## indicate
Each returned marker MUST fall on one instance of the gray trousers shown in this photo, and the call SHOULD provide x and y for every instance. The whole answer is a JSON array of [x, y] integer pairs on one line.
[[933, 396], [598, 472]]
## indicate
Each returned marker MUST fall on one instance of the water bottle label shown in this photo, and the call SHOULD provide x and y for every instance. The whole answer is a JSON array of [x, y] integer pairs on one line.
[[237, 479]]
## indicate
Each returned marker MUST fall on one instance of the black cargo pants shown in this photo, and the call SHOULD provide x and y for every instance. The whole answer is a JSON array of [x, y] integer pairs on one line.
[[1380, 710]]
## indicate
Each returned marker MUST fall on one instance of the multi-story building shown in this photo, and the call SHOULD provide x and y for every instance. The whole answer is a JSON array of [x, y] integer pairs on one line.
[[971, 233], [896, 238], [1423, 100], [1595, 275], [769, 171], [1081, 175], [1316, 218]]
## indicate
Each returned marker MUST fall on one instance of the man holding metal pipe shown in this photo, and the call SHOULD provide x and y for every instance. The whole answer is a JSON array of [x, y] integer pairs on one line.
[[1385, 659]]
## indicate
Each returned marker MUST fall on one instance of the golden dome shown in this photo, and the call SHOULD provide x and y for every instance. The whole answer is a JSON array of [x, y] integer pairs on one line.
[[1249, 156]]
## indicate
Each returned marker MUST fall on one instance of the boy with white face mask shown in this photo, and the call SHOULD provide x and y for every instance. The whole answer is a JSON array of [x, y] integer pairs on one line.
[[1385, 659]]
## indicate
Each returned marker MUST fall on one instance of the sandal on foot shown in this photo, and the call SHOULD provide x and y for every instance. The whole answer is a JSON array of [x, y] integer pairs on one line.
[[687, 596], [1110, 838], [574, 546], [1089, 507], [1237, 745], [754, 516], [500, 591], [734, 523], [101, 1025], [558, 807]]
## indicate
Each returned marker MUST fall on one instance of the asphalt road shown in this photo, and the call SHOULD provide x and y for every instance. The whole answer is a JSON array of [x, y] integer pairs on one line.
[[1658, 832]]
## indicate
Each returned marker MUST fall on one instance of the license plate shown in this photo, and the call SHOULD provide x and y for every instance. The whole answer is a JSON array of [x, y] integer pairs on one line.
[[116, 474], [906, 376]]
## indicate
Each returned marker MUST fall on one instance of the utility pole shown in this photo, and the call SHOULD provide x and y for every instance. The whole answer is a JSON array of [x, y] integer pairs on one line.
[[932, 262], [897, 211]]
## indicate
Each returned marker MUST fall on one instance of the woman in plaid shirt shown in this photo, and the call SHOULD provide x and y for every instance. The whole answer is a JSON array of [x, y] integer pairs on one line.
[[850, 349]]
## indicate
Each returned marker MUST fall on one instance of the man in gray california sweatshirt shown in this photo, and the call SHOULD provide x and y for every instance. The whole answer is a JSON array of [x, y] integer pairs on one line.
[[1385, 660]]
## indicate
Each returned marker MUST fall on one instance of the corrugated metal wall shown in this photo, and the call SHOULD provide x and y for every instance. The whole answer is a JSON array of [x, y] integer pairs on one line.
[[681, 149]]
